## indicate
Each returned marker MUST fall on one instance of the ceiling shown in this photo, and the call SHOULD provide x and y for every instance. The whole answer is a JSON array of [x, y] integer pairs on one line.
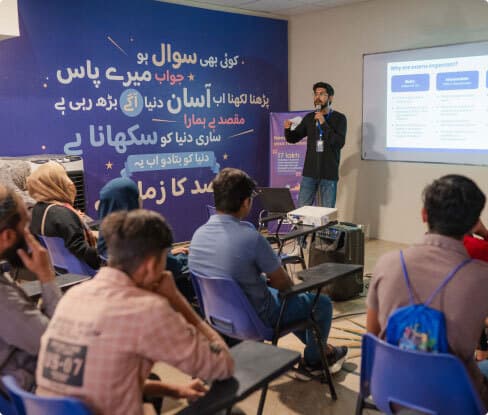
[[283, 8]]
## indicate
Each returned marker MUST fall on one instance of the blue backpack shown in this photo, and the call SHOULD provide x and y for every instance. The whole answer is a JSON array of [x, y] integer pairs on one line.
[[417, 326]]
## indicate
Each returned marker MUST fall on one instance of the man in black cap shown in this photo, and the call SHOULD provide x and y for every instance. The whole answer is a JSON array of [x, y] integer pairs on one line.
[[325, 130]]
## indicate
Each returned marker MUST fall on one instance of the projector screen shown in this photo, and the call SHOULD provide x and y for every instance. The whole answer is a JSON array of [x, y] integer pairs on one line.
[[427, 105]]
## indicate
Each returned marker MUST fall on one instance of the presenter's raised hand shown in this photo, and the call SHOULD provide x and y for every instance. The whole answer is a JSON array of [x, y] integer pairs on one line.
[[287, 124]]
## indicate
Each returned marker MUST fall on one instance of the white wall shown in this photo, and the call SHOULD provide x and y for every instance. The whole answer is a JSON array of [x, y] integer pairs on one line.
[[9, 19], [329, 46]]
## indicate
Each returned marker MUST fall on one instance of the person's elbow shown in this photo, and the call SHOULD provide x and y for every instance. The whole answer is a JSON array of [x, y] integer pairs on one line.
[[280, 279], [372, 322]]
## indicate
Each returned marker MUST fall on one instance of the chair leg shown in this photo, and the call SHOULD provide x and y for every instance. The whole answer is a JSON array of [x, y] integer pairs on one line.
[[359, 404], [262, 399], [323, 358]]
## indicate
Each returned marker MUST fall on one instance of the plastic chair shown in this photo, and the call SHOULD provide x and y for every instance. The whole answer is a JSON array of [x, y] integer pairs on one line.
[[228, 311], [430, 383], [7, 406], [63, 259], [27, 403]]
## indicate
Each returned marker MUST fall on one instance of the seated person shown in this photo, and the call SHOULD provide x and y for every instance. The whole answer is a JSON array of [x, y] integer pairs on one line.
[[451, 207], [226, 246], [14, 173], [23, 323], [130, 315], [122, 193], [54, 214], [477, 247]]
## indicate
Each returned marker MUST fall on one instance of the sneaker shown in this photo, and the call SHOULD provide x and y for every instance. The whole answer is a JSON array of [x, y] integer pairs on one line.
[[334, 359]]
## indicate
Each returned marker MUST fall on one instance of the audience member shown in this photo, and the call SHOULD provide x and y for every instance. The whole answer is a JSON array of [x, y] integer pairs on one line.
[[226, 246], [22, 322], [112, 328], [54, 214], [451, 207], [476, 243], [14, 173], [117, 194], [122, 194]]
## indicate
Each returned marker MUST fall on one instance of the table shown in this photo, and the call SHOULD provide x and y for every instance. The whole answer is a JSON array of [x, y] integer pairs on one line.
[[33, 288], [327, 272], [256, 364]]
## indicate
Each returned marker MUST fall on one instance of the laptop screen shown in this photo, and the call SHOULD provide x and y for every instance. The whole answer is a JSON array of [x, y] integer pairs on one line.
[[276, 199]]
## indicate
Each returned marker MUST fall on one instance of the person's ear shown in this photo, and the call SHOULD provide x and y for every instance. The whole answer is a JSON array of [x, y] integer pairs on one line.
[[7, 238], [424, 215]]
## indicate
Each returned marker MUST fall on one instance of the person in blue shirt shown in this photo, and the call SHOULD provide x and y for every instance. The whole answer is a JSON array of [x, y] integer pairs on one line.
[[227, 246]]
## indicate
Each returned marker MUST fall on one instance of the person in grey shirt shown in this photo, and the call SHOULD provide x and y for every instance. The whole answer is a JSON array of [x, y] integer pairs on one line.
[[23, 323]]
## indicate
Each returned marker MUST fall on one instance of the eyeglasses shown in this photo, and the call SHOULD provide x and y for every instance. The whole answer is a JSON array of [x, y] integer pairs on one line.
[[254, 194], [320, 94]]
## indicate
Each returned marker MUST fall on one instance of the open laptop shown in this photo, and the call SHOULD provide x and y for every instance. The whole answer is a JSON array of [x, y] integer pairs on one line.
[[276, 200]]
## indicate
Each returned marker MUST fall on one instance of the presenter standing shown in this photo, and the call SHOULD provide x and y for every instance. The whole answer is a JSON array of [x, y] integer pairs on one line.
[[325, 130]]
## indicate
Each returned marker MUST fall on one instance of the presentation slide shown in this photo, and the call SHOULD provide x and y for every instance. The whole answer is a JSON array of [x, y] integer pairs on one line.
[[427, 105]]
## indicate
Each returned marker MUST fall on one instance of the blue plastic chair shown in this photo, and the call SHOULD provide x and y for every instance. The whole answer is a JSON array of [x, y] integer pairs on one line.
[[431, 383], [27, 403], [227, 310], [7, 406], [63, 259]]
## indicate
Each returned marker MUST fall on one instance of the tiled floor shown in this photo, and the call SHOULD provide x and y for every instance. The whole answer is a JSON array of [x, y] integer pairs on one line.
[[289, 396]]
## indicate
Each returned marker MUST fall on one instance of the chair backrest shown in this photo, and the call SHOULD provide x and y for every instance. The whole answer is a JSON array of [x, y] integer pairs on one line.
[[211, 210], [62, 258], [431, 383], [228, 310], [27, 403], [7, 405]]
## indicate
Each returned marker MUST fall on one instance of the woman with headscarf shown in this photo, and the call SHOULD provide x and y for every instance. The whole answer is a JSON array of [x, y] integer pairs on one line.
[[118, 194], [122, 194], [54, 214]]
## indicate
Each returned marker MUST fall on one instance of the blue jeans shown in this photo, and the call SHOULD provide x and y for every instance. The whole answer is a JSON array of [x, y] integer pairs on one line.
[[298, 308], [308, 188]]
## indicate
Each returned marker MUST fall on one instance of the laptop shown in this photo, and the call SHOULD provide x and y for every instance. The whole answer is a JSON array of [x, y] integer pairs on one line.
[[276, 200]]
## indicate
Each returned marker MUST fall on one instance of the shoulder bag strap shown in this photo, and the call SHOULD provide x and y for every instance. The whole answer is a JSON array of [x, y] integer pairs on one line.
[[43, 222], [447, 279], [407, 280]]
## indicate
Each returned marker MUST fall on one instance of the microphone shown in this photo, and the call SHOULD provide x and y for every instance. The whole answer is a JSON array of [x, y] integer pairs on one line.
[[318, 108]]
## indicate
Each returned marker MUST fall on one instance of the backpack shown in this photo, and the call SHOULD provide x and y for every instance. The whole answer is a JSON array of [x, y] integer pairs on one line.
[[418, 326]]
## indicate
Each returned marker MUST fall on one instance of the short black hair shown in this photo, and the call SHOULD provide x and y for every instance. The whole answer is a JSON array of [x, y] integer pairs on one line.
[[231, 187], [133, 236], [326, 86], [453, 204], [9, 208]]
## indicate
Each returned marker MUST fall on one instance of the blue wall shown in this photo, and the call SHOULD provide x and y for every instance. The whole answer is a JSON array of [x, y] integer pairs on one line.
[[164, 93]]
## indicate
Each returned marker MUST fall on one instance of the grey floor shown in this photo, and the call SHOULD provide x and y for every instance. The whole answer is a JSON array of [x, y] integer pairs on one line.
[[289, 396]]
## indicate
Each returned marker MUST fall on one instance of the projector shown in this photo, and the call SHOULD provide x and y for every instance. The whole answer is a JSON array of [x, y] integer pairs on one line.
[[312, 215]]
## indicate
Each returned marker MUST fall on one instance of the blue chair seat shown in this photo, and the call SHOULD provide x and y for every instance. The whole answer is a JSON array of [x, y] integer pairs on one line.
[[429, 383], [27, 403], [63, 260]]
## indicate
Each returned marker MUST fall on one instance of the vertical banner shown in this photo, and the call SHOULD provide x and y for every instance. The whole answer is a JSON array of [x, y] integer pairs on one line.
[[165, 94], [286, 160]]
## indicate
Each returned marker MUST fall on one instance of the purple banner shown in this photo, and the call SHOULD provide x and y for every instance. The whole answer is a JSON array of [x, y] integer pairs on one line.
[[286, 160]]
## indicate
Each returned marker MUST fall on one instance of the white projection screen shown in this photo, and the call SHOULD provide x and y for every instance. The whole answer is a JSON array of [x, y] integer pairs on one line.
[[427, 105]]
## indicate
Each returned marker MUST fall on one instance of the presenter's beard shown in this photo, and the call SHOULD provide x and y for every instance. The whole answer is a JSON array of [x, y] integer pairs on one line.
[[322, 106]]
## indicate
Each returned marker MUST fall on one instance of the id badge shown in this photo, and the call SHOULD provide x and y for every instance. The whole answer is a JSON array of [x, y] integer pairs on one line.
[[320, 146]]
